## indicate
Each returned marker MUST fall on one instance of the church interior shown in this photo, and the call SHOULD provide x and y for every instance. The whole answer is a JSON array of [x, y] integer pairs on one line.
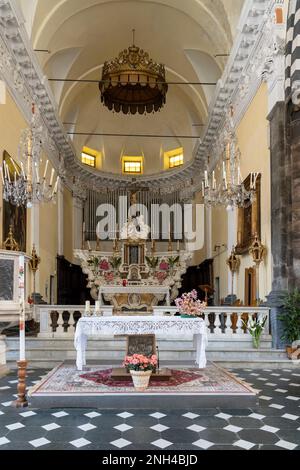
[[150, 220]]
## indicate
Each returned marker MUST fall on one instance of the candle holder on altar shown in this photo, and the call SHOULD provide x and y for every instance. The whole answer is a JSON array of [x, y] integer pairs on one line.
[[258, 252], [233, 263]]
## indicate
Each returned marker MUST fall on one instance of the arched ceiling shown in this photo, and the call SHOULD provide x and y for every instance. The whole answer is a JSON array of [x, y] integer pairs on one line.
[[81, 35]]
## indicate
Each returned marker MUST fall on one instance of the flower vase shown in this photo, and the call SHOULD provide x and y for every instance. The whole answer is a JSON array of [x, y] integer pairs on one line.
[[185, 315], [140, 379], [256, 342]]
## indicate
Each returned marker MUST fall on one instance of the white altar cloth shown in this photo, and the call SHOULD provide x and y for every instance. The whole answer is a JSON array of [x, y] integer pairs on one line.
[[138, 325], [138, 289]]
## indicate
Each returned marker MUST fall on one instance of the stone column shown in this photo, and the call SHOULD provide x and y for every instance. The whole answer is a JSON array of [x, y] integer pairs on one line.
[[3, 367], [280, 217], [77, 223], [294, 153], [60, 218]]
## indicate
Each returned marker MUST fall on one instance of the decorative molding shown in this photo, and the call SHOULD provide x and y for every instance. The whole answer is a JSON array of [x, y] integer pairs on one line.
[[239, 83]]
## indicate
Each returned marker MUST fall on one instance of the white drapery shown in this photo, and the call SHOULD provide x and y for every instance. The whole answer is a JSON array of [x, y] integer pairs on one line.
[[137, 325]]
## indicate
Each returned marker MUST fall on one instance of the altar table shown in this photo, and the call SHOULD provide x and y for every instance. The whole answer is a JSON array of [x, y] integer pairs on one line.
[[138, 325], [137, 289]]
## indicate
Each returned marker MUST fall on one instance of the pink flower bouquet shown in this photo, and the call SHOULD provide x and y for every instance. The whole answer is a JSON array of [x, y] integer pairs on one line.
[[164, 266], [161, 276], [139, 362], [109, 277], [189, 304], [104, 265]]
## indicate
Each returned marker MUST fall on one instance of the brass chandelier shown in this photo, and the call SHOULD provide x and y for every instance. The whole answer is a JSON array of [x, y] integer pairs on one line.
[[133, 83]]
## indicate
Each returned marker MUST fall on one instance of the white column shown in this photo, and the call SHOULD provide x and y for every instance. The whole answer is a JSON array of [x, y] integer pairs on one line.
[[232, 241], [3, 366], [60, 217], [77, 223], [208, 232]]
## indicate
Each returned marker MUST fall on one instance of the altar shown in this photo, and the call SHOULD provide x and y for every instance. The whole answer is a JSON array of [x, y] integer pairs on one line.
[[134, 277], [143, 325], [134, 296]]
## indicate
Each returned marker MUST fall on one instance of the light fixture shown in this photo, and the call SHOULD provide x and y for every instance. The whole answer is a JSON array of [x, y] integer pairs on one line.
[[24, 185], [133, 83], [229, 190]]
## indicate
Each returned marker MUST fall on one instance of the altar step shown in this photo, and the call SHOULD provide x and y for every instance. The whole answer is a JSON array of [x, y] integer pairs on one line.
[[224, 351]]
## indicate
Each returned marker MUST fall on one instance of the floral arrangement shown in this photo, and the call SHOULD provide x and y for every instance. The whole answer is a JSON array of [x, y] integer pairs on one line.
[[109, 277], [140, 363], [152, 261], [189, 304], [116, 262], [164, 266], [255, 327], [161, 276], [104, 265], [173, 261]]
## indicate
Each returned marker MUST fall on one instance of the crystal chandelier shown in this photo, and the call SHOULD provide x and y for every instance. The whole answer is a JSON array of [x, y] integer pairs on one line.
[[133, 83], [230, 189], [24, 185]]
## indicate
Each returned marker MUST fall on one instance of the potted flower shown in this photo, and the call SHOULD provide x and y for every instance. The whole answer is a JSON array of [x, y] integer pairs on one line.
[[255, 326], [141, 368], [189, 305]]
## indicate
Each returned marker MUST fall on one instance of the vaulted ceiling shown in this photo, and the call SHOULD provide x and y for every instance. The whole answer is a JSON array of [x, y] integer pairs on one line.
[[81, 35]]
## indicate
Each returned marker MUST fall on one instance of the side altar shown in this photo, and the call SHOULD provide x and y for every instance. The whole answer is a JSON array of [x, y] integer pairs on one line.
[[134, 277]]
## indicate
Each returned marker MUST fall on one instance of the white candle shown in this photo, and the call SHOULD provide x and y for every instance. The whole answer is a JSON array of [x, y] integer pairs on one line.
[[22, 307], [37, 174], [87, 305], [97, 305], [240, 179], [2, 177], [89, 245], [203, 191], [22, 168], [56, 184], [46, 168], [7, 173], [178, 245], [83, 227], [206, 178], [52, 176], [214, 181], [224, 170]]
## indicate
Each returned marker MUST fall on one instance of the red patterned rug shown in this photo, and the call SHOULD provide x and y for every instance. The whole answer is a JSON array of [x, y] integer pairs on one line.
[[65, 379], [179, 377]]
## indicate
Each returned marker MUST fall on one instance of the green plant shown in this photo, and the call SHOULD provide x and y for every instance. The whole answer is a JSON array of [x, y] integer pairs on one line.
[[290, 317], [152, 262], [115, 262], [173, 261]]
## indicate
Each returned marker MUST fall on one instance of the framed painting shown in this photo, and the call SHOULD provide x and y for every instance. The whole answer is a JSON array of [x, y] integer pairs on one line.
[[249, 220], [14, 215]]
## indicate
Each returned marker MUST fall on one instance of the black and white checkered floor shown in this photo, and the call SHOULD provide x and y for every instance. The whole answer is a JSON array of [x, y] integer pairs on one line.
[[274, 424]]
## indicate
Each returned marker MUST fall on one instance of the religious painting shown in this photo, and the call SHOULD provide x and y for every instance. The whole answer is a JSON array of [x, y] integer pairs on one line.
[[249, 219], [141, 344], [14, 215]]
